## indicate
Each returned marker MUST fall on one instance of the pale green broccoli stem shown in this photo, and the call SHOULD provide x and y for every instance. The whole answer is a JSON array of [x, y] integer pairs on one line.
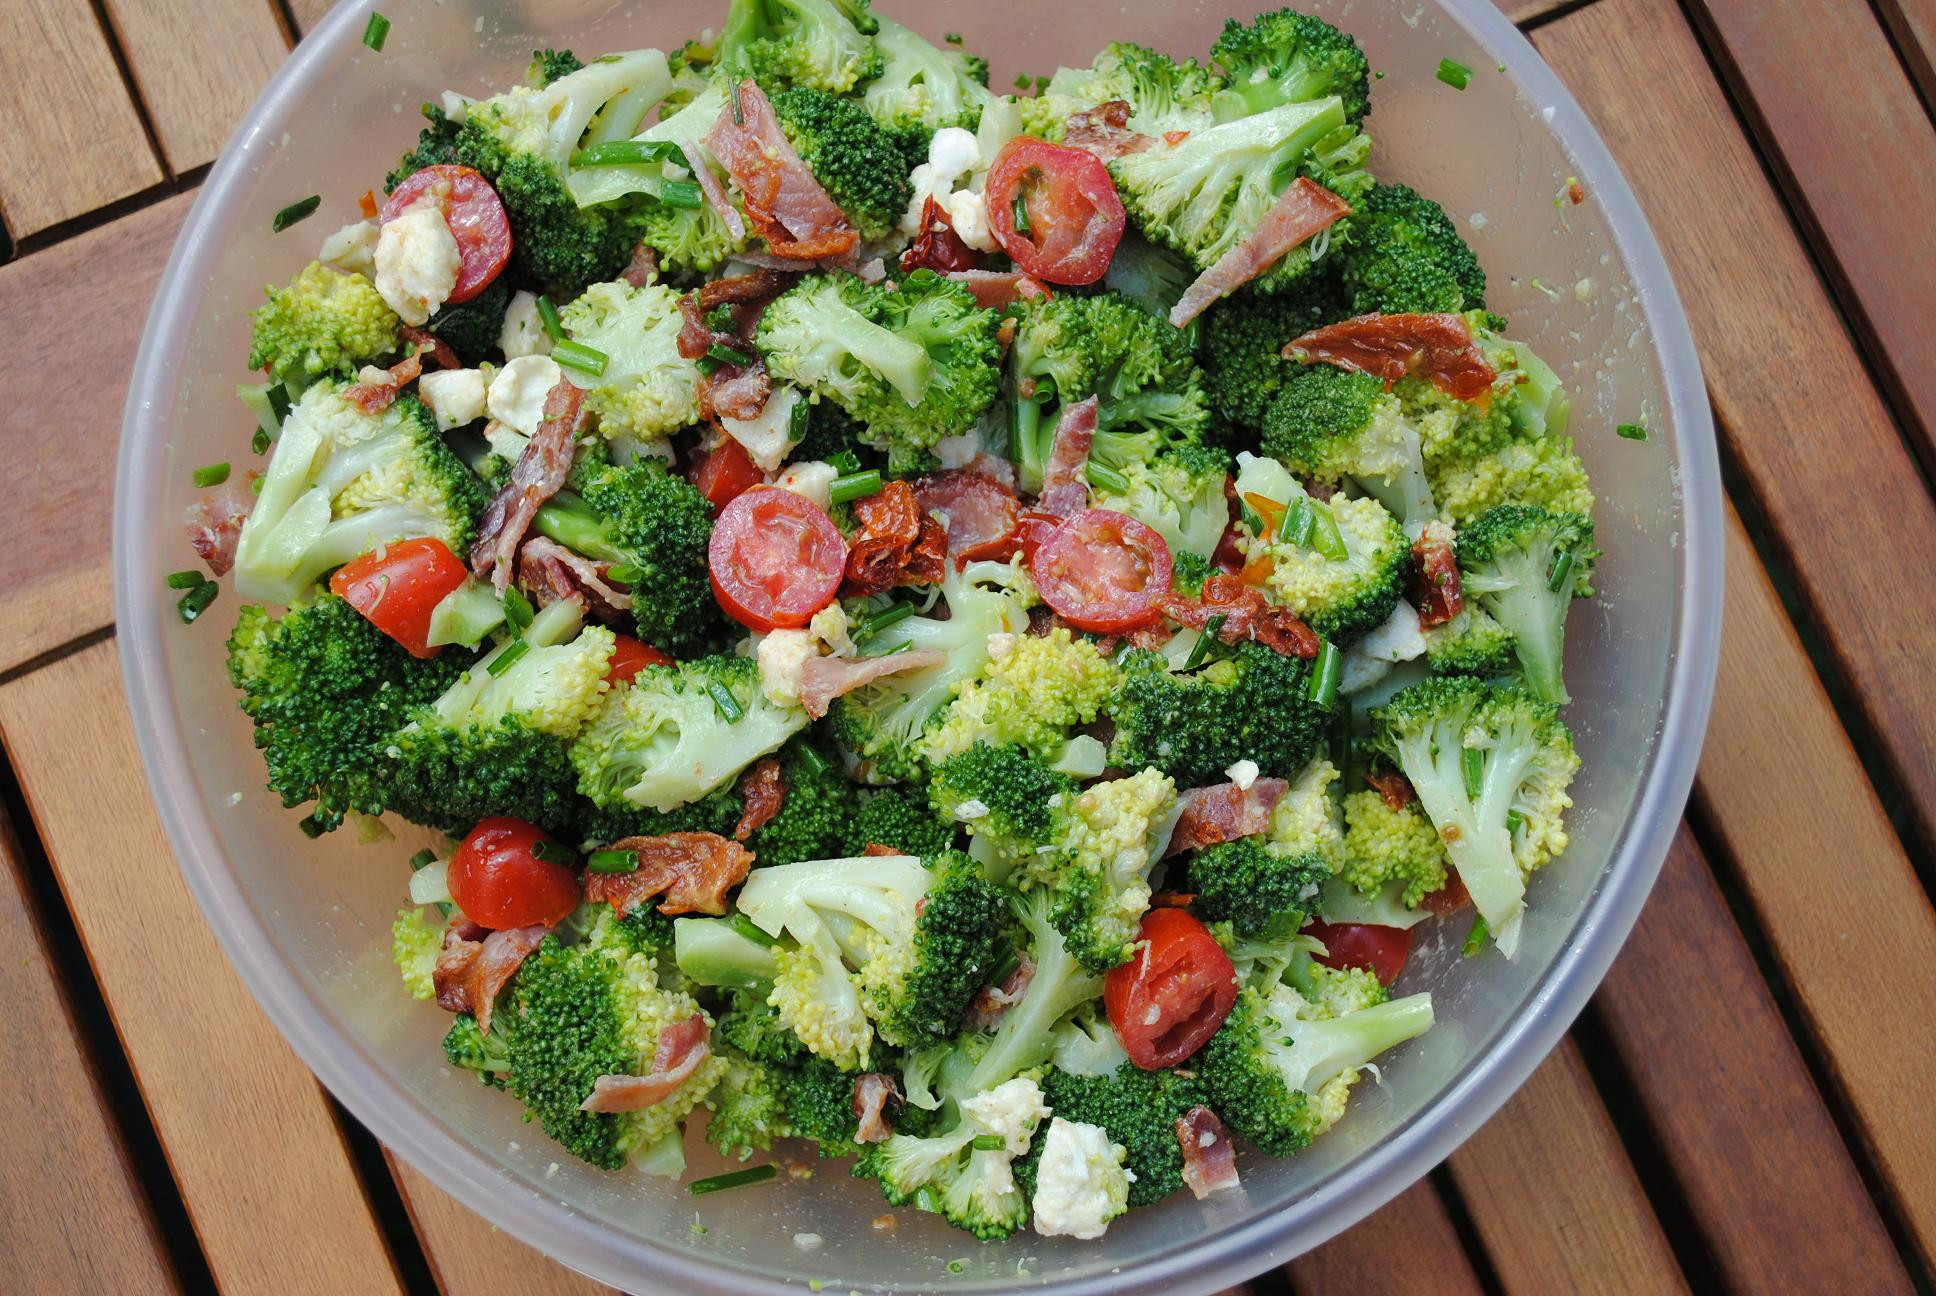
[[716, 952], [554, 625], [901, 363], [572, 523], [1026, 1033], [1321, 1051]]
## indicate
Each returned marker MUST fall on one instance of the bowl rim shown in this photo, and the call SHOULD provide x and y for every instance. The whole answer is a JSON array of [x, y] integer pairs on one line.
[[357, 1077]]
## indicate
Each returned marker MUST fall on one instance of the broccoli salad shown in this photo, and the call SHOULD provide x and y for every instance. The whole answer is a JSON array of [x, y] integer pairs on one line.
[[968, 629]]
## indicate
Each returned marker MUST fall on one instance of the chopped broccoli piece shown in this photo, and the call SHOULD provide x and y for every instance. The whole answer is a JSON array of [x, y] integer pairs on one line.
[[1030, 692], [1543, 473], [899, 818], [1022, 803], [1248, 705], [1343, 571], [1383, 845], [825, 44], [472, 328], [1241, 342], [855, 160], [547, 65], [953, 1175], [1179, 495], [415, 943], [1525, 566], [1403, 254], [1258, 891], [325, 322], [436, 145], [1288, 57], [1099, 875], [647, 389], [1331, 424], [924, 86], [1138, 1109], [1163, 94], [1471, 643]]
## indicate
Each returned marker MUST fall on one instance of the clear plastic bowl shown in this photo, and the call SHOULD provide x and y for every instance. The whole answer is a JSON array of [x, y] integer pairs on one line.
[[306, 921]]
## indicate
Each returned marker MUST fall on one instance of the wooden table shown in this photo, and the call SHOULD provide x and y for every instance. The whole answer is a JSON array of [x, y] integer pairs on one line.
[[1741, 1107]]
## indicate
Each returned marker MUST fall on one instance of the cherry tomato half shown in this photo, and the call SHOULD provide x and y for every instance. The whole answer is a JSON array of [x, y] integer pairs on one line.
[[1071, 219], [1169, 1000], [398, 587], [630, 656], [1451, 897], [1382, 950], [776, 559], [725, 474], [474, 214], [1103, 571], [499, 883], [979, 514]]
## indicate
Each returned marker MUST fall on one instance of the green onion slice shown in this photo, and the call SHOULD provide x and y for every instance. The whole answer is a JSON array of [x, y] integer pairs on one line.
[[423, 859], [629, 152], [1475, 939], [1325, 536], [212, 475], [855, 486], [746, 927], [1472, 767], [1103, 477], [196, 601], [376, 32], [1326, 670], [737, 1178], [723, 699], [1201, 649], [681, 193], [548, 315], [988, 1143], [612, 861], [728, 355], [505, 660], [576, 355], [1562, 572], [1632, 431], [299, 210], [185, 580], [517, 609], [1456, 75]]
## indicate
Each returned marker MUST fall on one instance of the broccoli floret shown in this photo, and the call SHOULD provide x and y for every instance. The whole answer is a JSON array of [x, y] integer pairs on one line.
[[653, 525], [1490, 764], [1543, 473], [899, 818], [1286, 58], [1331, 424], [1137, 1109], [1179, 495], [647, 389], [1383, 845], [1163, 94], [859, 164], [1099, 875], [1021, 803], [1525, 566], [1025, 1035], [473, 328], [326, 689], [1340, 565], [1257, 891], [436, 145], [756, 1103], [1471, 643], [825, 44], [1249, 705], [547, 65], [1241, 342], [467, 1048], [923, 86], [1305, 821], [958, 1175], [341, 483], [325, 322], [1032, 690], [415, 943], [914, 363], [1403, 254]]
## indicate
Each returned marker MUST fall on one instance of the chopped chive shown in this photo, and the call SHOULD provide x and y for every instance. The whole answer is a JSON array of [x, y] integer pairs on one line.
[[1011, 959], [255, 485], [1562, 572], [1103, 477], [1021, 216], [279, 402], [1022, 81], [681, 193], [855, 486], [797, 419], [627, 153], [1247, 515], [505, 660], [846, 463], [376, 32], [723, 699], [1044, 391], [696, 1229], [301, 209], [1514, 821], [196, 601], [576, 355], [951, 38], [706, 365], [1326, 539], [612, 861], [816, 763], [739, 114], [728, 355], [1472, 768], [737, 1178], [184, 580], [553, 853], [310, 827], [892, 614], [1475, 939], [517, 609], [746, 927], [901, 647], [1456, 75], [957, 1266], [1201, 648], [1299, 522], [423, 859], [259, 443], [719, 318], [1632, 431], [1326, 670], [625, 573], [548, 316], [988, 1143]]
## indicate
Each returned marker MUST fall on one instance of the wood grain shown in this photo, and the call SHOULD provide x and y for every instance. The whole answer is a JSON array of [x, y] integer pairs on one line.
[[71, 139], [250, 1138], [1408, 1245], [1836, 897], [309, 12], [470, 1257], [1913, 23], [59, 436], [1521, 11], [65, 1182], [1751, 1145], [194, 99], [1551, 1191], [1803, 422]]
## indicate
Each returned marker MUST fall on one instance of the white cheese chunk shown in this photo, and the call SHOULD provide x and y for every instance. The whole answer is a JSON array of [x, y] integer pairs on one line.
[[523, 332], [416, 262], [1081, 1183], [517, 394], [455, 396]]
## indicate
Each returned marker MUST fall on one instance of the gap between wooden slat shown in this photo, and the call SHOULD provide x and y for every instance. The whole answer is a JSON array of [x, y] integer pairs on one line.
[[193, 96], [470, 1257], [1913, 24], [1407, 1245]]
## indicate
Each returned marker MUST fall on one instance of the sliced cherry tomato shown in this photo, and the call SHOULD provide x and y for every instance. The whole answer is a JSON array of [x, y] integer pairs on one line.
[[978, 513], [1103, 571], [1168, 1000], [726, 473], [1032, 529], [776, 559], [630, 656], [499, 882], [1382, 950], [474, 214], [398, 587], [1451, 897], [1071, 219]]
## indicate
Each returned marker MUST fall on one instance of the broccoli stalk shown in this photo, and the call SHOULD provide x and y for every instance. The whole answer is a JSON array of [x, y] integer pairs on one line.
[[1525, 566]]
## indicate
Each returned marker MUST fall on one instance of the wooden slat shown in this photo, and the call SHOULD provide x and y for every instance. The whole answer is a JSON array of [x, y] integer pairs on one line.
[[58, 435], [253, 1144], [1914, 24], [309, 12], [468, 1257], [1408, 1246], [1804, 424], [1839, 117], [1526, 10], [1837, 899], [194, 99], [1752, 1147], [1550, 1190], [65, 1182], [71, 140]]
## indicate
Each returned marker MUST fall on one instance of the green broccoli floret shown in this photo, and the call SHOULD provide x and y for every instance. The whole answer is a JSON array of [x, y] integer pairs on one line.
[[1286, 58], [914, 363], [436, 145], [325, 322], [547, 65], [647, 389], [923, 86], [1403, 254], [472, 328], [653, 526], [1383, 845], [1525, 566], [855, 160], [1022, 803], [1248, 705], [415, 943], [467, 1048], [1257, 891], [326, 689], [1280, 1069], [1331, 424], [1163, 94], [1490, 764], [1099, 873], [1340, 565], [1032, 690], [756, 1103], [1025, 1035], [1136, 1108], [818, 814], [1543, 473], [1179, 494], [965, 1175], [341, 483], [900, 818], [1471, 643], [825, 44], [1241, 340]]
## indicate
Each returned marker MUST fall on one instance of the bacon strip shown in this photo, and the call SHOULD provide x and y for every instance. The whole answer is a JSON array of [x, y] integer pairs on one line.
[[551, 573], [872, 1093], [787, 206], [470, 973], [1393, 786], [214, 522], [1104, 131], [682, 1048], [1438, 347], [693, 871], [996, 289], [432, 351], [1065, 491], [1436, 588], [1300, 213], [822, 679], [538, 475], [375, 397], [1209, 1157], [986, 1009], [937, 246], [1224, 812], [1246, 614], [760, 286], [898, 544], [642, 271], [764, 789]]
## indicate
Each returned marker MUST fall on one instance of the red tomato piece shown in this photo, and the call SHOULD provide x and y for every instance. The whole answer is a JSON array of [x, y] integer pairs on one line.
[[776, 559], [726, 473], [1074, 220], [1168, 1000], [1103, 571], [398, 587], [474, 214], [1382, 950], [979, 515], [630, 656], [1451, 897], [499, 882]]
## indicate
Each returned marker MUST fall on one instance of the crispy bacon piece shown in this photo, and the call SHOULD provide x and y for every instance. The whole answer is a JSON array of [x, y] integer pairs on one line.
[[375, 397], [550, 572], [1173, 899], [642, 271], [682, 1048], [822, 679], [731, 390], [470, 972], [787, 206], [996, 289], [737, 290], [1209, 1157], [1246, 614], [937, 246], [1065, 491], [898, 544], [693, 871], [1224, 812], [1436, 590], [764, 788], [872, 1094], [1451, 897], [538, 475], [979, 513], [696, 337], [1301, 212], [432, 351], [1104, 130], [1393, 786], [881, 848], [1438, 347], [986, 1009], [214, 522]]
